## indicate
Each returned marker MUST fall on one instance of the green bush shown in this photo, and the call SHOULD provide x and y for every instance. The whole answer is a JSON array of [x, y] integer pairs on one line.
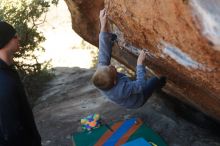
[[24, 16]]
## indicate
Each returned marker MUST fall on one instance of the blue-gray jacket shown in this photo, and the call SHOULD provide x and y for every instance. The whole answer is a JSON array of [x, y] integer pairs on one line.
[[127, 93]]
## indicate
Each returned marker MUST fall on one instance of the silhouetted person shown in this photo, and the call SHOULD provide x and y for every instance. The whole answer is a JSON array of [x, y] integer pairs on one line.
[[17, 125]]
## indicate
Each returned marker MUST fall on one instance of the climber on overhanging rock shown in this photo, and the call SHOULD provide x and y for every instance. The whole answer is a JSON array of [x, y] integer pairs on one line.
[[117, 86]]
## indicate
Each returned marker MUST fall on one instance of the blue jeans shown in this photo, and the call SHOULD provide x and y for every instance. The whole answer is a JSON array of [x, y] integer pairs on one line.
[[150, 85]]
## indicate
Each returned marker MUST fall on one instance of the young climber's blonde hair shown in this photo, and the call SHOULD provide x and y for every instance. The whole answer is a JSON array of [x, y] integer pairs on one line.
[[103, 78]]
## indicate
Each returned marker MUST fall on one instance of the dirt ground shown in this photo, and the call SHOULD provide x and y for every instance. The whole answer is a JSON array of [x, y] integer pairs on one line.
[[70, 96]]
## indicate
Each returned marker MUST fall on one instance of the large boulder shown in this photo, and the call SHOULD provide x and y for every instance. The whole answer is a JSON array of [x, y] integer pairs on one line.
[[182, 39]]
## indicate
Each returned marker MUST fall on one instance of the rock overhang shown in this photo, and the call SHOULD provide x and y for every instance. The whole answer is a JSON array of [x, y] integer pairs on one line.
[[182, 42]]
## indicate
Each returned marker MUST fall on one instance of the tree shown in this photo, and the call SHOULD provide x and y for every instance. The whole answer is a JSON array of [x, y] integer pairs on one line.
[[24, 16]]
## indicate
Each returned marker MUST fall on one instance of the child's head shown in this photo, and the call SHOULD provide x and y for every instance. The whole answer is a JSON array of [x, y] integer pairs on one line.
[[105, 77]]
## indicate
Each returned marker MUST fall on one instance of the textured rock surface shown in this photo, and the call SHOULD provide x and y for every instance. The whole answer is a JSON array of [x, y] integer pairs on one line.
[[85, 18], [182, 38], [70, 96]]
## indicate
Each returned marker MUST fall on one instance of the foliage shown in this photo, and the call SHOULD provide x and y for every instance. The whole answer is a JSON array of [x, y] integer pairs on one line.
[[94, 54], [24, 16]]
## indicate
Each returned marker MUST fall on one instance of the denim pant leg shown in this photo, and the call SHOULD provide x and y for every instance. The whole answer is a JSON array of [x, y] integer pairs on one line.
[[150, 85]]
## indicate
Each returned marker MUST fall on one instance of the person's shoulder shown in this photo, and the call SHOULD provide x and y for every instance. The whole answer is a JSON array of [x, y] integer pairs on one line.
[[5, 79], [3, 74], [122, 82]]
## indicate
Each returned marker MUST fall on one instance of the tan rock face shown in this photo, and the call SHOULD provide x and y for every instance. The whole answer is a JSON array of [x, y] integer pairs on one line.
[[85, 18], [182, 39]]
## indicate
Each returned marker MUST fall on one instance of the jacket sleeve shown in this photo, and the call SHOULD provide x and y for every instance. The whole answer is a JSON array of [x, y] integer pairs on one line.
[[9, 117], [138, 85], [129, 87], [15, 116], [29, 122], [105, 48]]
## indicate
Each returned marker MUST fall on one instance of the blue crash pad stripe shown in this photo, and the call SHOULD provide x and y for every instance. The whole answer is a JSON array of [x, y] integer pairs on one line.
[[120, 132], [137, 142]]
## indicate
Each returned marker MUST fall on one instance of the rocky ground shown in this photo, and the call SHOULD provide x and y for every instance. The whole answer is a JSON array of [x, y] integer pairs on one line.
[[71, 96]]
